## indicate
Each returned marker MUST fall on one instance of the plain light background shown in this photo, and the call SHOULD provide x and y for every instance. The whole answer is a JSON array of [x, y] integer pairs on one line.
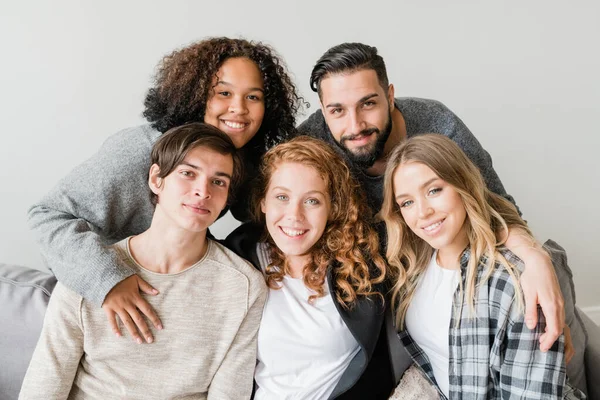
[[523, 76]]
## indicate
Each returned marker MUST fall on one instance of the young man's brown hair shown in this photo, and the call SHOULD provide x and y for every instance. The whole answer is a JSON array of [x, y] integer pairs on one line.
[[172, 147]]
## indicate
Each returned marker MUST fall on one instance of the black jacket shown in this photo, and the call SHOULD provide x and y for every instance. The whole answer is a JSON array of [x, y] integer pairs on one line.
[[369, 375]]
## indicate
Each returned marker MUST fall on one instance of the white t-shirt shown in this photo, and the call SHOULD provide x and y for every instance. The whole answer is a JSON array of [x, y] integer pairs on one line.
[[303, 349], [428, 317]]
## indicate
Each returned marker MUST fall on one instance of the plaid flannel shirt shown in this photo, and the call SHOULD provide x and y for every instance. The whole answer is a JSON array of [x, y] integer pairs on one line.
[[494, 355]]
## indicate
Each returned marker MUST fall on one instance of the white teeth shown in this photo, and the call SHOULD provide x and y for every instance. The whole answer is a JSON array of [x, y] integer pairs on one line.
[[293, 232], [234, 125], [433, 226]]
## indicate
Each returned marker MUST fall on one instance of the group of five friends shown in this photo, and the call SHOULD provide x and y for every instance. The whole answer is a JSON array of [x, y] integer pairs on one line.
[[126, 234]]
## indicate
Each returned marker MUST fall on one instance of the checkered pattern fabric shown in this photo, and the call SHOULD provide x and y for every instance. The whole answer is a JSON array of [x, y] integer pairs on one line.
[[494, 355]]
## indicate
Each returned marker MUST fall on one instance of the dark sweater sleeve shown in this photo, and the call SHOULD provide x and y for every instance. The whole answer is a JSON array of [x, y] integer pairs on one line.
[[315, 126], [306, 127], [456, 130]]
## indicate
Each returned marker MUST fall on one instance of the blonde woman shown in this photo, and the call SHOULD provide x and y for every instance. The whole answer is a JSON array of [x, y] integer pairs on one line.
[[318, 337], [457, 297]]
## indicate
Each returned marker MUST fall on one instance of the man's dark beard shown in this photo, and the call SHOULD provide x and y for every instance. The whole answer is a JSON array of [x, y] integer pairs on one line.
[[366, 160]]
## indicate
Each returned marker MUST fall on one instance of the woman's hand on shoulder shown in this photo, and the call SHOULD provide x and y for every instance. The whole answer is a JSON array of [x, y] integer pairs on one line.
[[125, 300]]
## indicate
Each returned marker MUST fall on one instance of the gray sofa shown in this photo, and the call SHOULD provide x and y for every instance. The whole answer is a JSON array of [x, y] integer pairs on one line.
[[24, 294]]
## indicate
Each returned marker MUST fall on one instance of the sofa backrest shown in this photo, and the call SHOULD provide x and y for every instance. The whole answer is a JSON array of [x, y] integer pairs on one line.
[[592, 357], [576, 367], [24, 296]]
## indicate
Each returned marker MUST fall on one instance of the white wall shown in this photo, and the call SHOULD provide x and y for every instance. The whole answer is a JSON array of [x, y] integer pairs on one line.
[[521, 74]]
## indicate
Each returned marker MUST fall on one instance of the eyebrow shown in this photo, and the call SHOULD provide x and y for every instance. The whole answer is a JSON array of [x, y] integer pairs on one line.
[[420, 187], [197, 168], [288, 190], [230, 84], [361, 100]]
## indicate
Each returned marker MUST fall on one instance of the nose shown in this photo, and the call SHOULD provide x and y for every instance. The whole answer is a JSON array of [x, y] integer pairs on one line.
[[424, 209], [237, 105], [357, 123], [295, 211], [202, 188]]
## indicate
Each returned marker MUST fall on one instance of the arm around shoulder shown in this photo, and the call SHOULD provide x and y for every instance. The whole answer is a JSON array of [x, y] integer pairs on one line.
[[104, 199], [525, 369], [539, 284], [465, 139]]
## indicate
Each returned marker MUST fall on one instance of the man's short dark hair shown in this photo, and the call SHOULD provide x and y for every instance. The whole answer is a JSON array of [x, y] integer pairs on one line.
[[174, 145], [348, 58]]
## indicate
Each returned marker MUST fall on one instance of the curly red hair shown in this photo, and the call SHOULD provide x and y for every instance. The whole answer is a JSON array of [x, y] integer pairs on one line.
[[349, 241]]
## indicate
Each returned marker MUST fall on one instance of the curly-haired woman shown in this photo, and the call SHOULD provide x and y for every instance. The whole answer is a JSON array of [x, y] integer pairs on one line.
[[320, 257], [239, 86]]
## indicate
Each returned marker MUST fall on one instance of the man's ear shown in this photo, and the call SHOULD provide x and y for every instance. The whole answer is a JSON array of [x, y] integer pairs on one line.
[[391, 99], [154, 181]]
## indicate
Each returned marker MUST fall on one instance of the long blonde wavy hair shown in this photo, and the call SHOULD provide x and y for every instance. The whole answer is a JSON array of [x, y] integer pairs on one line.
[[488, 218], [348, 238]]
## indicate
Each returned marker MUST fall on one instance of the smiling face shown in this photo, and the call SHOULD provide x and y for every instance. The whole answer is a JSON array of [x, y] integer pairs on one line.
[[431, 208], [194, 194], [357, 111], [296, 208], [236, 105]]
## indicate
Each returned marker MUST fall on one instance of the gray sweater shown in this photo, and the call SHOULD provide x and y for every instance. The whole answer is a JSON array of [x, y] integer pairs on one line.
[[106, 198], [211, 313], [100, 202], [421, 116]]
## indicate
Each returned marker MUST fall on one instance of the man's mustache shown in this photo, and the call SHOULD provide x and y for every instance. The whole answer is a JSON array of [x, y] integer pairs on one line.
[[364, 132]]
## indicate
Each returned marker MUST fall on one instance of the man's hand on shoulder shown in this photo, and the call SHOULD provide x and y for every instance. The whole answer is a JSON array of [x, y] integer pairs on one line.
[[540, 286]]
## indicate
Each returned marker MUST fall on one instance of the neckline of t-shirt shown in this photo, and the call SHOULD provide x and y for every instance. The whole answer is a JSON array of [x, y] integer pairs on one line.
[[447, 271], [191, 267]]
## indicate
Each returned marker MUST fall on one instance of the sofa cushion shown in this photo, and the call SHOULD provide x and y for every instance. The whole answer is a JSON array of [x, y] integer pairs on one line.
[[592, 356], [24, 296], [575, 368]]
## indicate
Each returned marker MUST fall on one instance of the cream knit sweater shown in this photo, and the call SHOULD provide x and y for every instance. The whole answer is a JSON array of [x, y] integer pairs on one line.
[[207, 349]]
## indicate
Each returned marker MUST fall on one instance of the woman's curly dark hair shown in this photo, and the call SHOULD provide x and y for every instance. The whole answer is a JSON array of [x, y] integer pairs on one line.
[[184, 81]]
